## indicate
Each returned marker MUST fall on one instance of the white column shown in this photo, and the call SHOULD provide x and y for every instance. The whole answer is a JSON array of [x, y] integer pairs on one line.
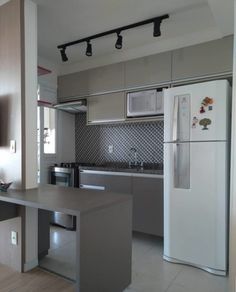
[[232, 251], [30, 133]]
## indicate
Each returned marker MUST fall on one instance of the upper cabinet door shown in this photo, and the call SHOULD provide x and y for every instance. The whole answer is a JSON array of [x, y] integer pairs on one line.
[[205, 59], [73, 85], [106, 108], [106, 78], [148, 70]]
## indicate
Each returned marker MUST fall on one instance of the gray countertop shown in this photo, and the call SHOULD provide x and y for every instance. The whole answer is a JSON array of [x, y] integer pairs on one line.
[[124, 170], [63, 199]]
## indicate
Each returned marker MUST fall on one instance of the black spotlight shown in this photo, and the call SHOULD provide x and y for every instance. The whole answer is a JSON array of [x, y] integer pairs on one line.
[[63, 55], [157, 28], [89, 49], [119, 41]]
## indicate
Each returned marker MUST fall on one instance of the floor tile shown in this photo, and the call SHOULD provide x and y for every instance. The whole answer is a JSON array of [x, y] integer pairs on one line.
[[60, 236], [196, 280], [150, 273]]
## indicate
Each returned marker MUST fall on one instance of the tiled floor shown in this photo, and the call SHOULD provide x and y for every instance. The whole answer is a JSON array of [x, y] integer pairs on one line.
[[61, 257], [149, 272]]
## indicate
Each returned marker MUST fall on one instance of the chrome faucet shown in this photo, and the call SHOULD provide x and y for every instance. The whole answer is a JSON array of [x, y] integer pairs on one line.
[[134, 158]]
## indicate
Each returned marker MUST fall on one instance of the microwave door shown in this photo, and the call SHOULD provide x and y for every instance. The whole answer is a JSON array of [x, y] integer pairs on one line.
[[144, 103]]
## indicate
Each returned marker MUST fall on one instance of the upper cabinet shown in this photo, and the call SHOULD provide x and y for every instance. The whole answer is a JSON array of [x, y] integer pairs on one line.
[[73, 85], [98, 80], [148, 70], [106, 78], [205, 59], [106, 108]]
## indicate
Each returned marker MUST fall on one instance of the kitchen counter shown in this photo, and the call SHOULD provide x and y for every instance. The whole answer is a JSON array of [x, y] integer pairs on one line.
[[72, 201], [103, 235], [126, 170]]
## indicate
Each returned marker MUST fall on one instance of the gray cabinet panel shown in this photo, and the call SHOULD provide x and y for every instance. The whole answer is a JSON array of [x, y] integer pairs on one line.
[[148, 205], [147, 198], [106, 107], [205, 59], [119, 184], [7, 211], [72, 85], [148, 70], [106, 78], [43, 233]]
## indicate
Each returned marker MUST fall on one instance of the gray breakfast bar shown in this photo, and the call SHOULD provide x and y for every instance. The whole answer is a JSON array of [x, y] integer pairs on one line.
[[104, 231]]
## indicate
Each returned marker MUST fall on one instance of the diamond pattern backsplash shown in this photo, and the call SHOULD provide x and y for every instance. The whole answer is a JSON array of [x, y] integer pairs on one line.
[[92, 142]]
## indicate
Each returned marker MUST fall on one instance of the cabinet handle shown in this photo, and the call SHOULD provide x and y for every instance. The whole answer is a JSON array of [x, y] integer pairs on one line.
[[92, 187]]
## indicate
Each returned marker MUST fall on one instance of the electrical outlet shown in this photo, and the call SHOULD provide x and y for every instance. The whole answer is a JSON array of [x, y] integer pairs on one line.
[[14, 237], [13, 146], [110, 149]]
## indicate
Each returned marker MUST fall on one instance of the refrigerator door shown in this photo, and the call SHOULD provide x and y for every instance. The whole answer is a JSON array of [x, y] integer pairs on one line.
[[208, 116], [195, 209]]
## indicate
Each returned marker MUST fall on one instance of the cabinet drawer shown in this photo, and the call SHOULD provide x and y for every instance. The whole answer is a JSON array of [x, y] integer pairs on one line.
[[111, 183]]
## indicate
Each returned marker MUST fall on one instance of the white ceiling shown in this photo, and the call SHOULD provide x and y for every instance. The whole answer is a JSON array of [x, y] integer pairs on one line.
[[191, 21]]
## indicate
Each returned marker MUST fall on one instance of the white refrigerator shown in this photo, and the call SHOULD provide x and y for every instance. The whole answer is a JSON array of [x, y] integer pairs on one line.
[[196, 175]]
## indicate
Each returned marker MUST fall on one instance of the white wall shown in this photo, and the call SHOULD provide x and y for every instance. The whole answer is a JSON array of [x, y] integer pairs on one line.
[[66, 137], [232, 251], [30, 101]]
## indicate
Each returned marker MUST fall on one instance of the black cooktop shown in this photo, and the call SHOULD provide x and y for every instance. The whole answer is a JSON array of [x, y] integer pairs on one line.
[[75, 164]]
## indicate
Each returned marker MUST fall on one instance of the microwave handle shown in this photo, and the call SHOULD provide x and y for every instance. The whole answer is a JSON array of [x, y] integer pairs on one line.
[[175, 119]]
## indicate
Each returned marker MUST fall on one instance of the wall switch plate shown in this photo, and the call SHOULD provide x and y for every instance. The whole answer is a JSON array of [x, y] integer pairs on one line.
[[110, 148], [14, 238], [13, 146]]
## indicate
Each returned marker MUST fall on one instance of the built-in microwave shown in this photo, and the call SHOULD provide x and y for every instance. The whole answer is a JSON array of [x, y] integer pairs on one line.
[[145, 103]]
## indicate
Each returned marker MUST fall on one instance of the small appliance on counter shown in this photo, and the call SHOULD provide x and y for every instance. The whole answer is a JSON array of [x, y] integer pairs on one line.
[[67, 175]]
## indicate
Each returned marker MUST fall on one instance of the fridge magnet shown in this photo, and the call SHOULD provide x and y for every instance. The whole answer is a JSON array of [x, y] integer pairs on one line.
[[194, 122], [204, 123], [210, 107], [202, 110], [207, 101]]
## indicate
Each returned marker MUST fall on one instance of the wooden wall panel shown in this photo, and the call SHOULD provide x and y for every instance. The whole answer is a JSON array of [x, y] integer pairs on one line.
[[11, 255], [11, 91]]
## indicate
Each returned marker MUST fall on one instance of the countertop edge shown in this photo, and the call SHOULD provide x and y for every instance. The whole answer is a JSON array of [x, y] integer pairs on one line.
[[120, 173], [11, 197]]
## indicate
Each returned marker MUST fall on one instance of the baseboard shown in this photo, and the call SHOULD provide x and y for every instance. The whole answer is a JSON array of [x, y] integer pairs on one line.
[[31, 265]]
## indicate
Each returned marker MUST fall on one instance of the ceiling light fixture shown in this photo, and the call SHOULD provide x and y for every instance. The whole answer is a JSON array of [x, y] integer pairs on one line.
[[89, 51], [63, 55], [156, 33], [157, 28], [119, 41]]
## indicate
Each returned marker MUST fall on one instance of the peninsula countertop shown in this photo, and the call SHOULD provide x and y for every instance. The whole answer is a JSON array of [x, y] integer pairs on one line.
[[64, 199]]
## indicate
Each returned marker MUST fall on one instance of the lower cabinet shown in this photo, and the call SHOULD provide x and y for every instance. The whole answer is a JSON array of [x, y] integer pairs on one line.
[[148, 205], [110, 183], [147, 196]]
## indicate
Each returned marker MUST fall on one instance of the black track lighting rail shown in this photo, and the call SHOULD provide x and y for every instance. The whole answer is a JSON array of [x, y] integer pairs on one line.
[[116, 30], [156, 33]]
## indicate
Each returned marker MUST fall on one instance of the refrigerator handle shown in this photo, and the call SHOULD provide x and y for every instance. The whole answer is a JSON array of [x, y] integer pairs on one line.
[[175, 119], [181, 155]]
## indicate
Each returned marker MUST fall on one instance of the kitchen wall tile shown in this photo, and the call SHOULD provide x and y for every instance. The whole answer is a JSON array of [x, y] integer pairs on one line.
[[92, 142]]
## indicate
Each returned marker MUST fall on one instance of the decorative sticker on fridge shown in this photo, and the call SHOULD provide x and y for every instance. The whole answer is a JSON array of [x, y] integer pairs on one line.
[[206, 103], [194, 122], [205, 123]]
